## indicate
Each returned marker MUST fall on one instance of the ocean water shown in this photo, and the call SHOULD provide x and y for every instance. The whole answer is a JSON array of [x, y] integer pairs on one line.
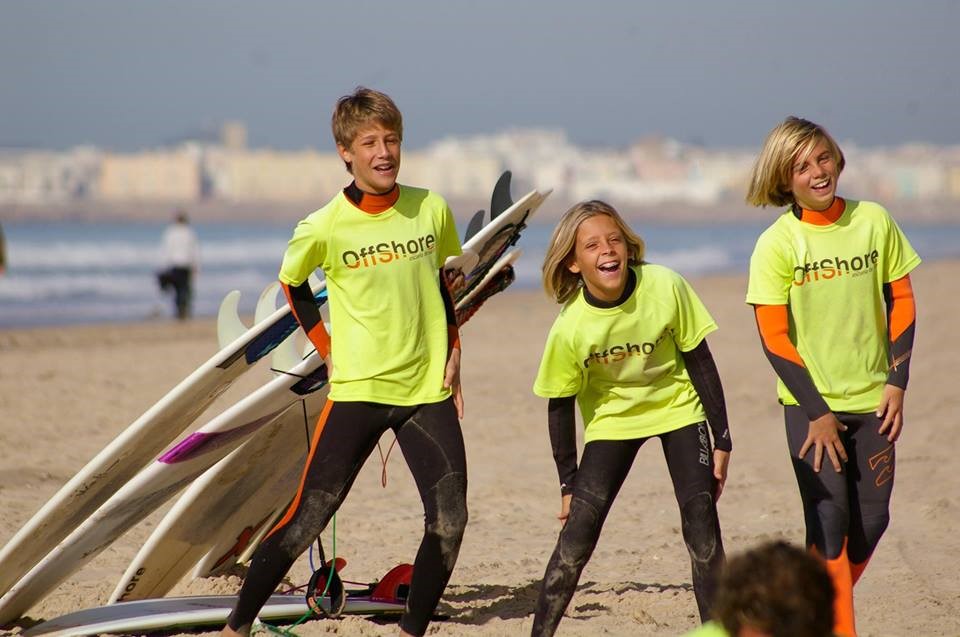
[[62, 273]]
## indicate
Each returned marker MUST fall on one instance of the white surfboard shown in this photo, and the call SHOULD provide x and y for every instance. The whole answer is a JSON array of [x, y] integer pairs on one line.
[[186, 612], [222, 515], [255, 479], [162, 479], [139, 444]]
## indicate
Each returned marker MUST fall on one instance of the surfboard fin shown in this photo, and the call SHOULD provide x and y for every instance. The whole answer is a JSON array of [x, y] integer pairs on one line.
[[476, 222], [500, 200], [395, 585], [229, 325], [285, 356]]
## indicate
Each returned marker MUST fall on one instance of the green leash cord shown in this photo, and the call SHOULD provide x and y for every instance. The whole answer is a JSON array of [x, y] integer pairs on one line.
[[260, 626]]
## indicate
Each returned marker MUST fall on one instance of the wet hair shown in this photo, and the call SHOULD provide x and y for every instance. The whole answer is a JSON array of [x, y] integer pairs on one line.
[[789, 142], [558, 281], [359, 109], [776, 588]]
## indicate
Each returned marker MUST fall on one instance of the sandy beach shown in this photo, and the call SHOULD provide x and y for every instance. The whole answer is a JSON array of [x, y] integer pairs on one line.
[[66, 392]]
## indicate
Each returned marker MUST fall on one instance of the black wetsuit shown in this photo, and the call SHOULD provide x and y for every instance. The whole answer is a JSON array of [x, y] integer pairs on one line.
[[431, 440], [853, 505], [604, 467]]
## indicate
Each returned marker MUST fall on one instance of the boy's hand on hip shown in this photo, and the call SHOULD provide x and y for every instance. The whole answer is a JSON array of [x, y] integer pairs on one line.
[[824, 435]]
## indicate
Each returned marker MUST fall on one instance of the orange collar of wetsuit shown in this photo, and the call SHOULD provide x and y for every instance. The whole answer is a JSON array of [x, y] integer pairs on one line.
[[824, 217], [372, 203]]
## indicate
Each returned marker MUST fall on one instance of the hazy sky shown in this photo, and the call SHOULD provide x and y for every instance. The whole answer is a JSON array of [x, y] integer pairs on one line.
[[129, 74]]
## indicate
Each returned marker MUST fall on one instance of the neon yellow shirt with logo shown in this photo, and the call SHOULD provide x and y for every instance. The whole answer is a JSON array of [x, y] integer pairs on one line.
[[387, 319], [832, 278], [624, 363]]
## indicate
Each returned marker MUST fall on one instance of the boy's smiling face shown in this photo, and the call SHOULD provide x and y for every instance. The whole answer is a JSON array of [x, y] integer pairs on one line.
[[374, 158], [814, 179], [601, 257]]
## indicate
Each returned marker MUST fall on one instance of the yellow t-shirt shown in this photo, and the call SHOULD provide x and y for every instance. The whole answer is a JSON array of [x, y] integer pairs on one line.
[[387, 319], [832, 278], [624, 363], [710, 629]]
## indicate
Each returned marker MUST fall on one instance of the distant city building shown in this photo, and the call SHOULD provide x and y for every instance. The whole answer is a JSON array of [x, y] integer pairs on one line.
[[266, 175], [233, 135], [44, 177], [466, 177], [163, 175]]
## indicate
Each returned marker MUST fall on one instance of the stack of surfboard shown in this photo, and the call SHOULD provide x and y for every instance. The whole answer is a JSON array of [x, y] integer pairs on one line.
[[238, 465]]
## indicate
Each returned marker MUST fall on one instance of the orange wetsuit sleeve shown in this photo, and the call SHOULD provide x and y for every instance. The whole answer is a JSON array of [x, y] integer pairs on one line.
[[901, 322], [773, 323], [305, 310]]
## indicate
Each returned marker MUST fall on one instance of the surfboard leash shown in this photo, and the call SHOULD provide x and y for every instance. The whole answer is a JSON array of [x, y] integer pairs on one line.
[[383, 461], [313, 605]]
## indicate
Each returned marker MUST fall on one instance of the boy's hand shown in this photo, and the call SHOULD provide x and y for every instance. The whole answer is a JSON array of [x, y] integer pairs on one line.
[[451, 380], [328, 362], [720, 461], [825, 434], [564, 509], [891, 410]]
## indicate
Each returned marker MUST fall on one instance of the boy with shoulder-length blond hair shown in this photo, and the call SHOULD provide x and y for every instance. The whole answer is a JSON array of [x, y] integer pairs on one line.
[[394, 356], [830, 286], [791, 141]]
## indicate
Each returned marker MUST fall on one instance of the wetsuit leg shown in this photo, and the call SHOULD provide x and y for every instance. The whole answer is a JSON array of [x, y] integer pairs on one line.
[[825, 497], [603, 469], [432, 444], [690, 461], [346, 434], [871, 469], [826, 512]]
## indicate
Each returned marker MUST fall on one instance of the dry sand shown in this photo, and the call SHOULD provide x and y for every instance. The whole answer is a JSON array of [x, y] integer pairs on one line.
[[65, 392]]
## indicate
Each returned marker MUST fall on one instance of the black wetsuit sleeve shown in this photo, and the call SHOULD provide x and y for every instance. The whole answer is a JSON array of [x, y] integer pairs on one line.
[[901, 317], [305, 310], [706, 380], [786, 362], [561, 420]]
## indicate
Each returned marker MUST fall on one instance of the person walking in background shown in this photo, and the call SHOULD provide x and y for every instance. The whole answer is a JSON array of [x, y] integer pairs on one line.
[[181, 258], [830, 286], [628, 346]]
